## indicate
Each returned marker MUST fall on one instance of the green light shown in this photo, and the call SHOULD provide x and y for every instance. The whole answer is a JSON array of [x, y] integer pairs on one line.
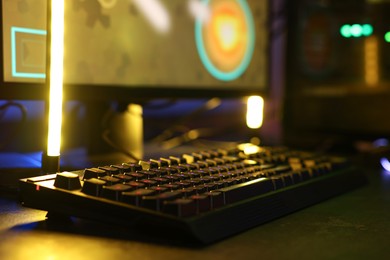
[[367, 29], [345, 30], [356, 30], [387, 37]]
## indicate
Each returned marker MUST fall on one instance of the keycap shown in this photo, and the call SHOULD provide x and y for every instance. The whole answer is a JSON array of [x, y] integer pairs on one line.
[[114, 192], [180, 207], [246, 190], [134, 197], [93, 173], [67, 181], [93, 186], [155, 202]]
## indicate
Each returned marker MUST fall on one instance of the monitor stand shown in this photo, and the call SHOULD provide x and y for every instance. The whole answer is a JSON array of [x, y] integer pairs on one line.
[[114, 130]]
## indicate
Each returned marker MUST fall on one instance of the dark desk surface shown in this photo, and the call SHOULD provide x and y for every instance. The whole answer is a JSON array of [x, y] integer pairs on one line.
[[355, 225]]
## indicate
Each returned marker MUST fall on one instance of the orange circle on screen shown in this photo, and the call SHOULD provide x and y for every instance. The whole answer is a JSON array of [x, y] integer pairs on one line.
[[225, 35]]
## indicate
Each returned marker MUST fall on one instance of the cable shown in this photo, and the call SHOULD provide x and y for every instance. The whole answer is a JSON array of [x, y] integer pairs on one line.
[[180, 123], [162, 105], [107, 139], [188, 136]]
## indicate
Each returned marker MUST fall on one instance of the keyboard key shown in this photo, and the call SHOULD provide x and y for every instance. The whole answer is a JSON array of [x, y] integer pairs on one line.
[[246, 190], [202, 203], [180, 207], [133, 167], [135, 184], [216, 199], [67, 181], [93, 173], [155, 202], [123, 177], [134, 197], [110, 170], [159, 189], [93, 186], [114, 192], [110, 180], [121, 168]]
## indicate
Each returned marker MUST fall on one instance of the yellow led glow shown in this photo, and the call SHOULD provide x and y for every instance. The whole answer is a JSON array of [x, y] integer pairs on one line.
[[56, 76], [226, 27], [254, 113]]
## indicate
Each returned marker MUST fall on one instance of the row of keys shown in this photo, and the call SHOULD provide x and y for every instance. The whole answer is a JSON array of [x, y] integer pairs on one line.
[[190, 192]]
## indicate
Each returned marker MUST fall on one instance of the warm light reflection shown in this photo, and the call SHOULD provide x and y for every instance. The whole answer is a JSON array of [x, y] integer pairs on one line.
[[250, 148], [371, 61], [199, 10], [107, 4], [255, 110], [56, 76], [155, 13]]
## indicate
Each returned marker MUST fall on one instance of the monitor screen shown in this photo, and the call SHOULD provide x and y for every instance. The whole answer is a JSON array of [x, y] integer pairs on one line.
[[338, 71], [123, 49]]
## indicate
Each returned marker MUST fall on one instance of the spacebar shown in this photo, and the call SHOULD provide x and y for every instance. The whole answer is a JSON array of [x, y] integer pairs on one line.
[[246, 190]]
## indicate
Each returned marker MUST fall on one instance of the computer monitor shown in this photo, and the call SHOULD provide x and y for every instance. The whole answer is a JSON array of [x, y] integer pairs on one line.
[[338, 72], [132, 49]]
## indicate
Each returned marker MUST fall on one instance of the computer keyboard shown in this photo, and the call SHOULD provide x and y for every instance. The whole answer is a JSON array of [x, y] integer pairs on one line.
[[208, 195]]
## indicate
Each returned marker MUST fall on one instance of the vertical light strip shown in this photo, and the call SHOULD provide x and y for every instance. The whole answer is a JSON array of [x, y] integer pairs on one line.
[[371, 70], [56, 76], [255, 111]]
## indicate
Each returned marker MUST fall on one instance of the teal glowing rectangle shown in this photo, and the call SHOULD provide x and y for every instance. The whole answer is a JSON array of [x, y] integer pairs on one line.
[[16, 73]]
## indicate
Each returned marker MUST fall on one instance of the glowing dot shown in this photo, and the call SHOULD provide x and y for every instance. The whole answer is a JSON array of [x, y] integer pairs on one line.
[[356, 30], [381, 142], [255, 110], [385, 164], [345, 30], [387, 37], [367, 29]]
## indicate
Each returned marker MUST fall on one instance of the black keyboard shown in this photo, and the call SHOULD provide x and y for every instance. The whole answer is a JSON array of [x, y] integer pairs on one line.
[[207, 195]]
